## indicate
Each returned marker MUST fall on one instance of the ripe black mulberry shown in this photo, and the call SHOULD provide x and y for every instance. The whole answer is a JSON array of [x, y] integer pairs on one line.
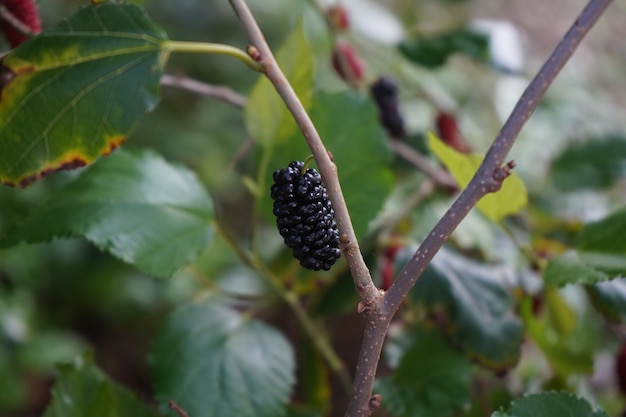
[[305, 217], [385, 94]]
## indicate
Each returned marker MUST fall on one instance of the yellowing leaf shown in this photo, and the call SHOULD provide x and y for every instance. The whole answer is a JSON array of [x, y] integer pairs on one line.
[[77, 90], [511, 197]]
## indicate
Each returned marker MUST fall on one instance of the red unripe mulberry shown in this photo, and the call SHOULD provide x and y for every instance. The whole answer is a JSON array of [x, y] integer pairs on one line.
[[347, 63], [449, 132], [338, 17], [26, 13]]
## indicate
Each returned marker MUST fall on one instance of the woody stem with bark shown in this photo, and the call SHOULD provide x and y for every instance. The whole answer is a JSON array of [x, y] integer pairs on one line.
[[488, 178], [379, 310]]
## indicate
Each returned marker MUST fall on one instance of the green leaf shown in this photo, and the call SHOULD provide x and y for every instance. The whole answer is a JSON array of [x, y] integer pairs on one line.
[[136, 206], [550, 404], [569, 268], [266, 116], [434, 51], [597, 163], [77, 90], [81, 389], [432, 379], [213, 361], [563, 318], [606, 235], [566, 354], [609, 298], [511, 197], [476, 305], [348, 124]]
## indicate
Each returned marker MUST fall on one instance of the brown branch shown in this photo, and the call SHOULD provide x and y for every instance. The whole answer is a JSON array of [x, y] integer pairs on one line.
[[439, 176], [260, 51], [177, 409], [218, 92], [487, 179]]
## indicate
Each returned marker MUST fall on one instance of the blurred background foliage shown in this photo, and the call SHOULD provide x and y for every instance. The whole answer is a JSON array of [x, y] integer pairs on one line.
[[57, 299]]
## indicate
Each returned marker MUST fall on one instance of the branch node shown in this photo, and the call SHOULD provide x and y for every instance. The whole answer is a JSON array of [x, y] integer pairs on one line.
[[501, 173], [374, 402], [254, 53], [371, 303]]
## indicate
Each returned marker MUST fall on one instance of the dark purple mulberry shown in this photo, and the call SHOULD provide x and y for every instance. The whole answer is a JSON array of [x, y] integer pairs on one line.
[[304, 216], [385, 94]]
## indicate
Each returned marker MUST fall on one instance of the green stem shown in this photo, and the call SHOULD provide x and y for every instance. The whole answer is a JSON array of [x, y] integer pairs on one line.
[[319, 339], [214, 48], [317, 336]]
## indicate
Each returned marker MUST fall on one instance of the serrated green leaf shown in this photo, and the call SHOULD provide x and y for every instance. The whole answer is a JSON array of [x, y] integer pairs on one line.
[[81, 389], [347, 122], [266, 116], [76, 91], [479, 310], [550, 404], [511, 197], [432, 379], [597, 163], [575, 267], [434, 51], [609, 298], [215, 362], [136, 206]]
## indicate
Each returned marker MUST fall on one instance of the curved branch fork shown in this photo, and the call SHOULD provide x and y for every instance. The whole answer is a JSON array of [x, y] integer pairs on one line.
[[379, 308]]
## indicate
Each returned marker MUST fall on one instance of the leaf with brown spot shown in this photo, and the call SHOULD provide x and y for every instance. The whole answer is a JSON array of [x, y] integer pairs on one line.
[[76, 91]]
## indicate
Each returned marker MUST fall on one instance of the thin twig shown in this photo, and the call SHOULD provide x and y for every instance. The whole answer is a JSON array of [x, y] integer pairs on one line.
[[17, 24], [217, 92], [319, 339], [260, 50], [440, 176], [487, 179], [177, 409]]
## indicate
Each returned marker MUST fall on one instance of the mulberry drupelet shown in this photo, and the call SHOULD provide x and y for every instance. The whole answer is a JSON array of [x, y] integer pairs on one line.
[[305, 217]]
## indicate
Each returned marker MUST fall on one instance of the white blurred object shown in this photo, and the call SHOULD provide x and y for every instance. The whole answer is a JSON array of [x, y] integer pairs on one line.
[[371, 20], [14, 327], [508, 90], [505, 46]]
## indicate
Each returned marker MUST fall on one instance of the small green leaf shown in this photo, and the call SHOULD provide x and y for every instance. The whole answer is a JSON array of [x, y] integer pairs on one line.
[[575, 267], [609, 298], [434, 51], [511, 197], [266, 116], [478, 309], [597, 163], [136, 206], [76, 91], [432, 379], [562, 317], [81, 389], [606, 235], [348, 124], [550, 404], [566, 354], [215, 362]]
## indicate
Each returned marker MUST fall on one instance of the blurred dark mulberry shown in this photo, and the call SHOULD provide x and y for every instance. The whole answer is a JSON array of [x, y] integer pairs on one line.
[[385, 94]]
